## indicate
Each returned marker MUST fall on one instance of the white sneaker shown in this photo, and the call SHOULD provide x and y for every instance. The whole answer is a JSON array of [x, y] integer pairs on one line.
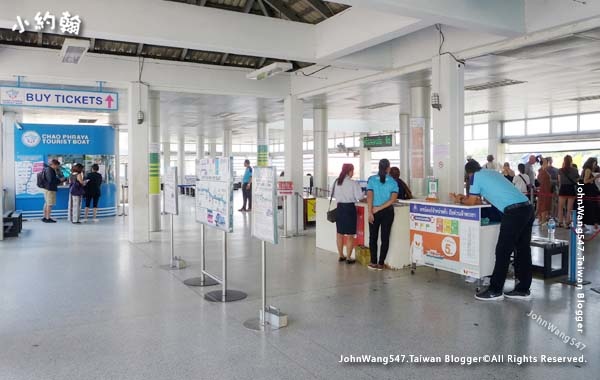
[[95, 220], [85, 221]]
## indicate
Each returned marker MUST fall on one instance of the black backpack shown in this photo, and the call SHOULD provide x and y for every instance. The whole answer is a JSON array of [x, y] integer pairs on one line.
[[42, 183]]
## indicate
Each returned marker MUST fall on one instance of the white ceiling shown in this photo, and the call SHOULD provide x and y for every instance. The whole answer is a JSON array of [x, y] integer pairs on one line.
[[555, 72]]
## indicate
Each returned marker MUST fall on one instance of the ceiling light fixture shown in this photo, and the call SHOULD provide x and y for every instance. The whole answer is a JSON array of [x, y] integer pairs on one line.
[[73, 50], [493, 84], [269, 71]]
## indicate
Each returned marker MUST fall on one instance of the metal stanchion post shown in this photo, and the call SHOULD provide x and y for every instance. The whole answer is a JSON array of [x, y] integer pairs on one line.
[[173, 265], [285, 219], [572, 278], [224, 295], [203, 280]]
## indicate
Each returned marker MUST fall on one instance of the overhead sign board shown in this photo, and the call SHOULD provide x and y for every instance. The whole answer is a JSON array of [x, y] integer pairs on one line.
[[55, 98], [378, 141]]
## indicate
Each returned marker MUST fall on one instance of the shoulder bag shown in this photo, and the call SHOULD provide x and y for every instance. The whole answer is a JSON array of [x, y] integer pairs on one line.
[[332, 214]]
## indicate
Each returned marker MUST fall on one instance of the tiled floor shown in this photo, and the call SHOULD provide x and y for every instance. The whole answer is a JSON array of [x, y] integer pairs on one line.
[[80, 302]]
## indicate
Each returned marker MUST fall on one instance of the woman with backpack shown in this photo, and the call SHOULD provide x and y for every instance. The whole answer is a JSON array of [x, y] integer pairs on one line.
[[404, 192], [76, 191]]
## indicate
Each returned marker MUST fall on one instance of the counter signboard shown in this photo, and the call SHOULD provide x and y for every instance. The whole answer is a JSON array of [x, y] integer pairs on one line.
[[214, 193], [444, 236], [264, 204]]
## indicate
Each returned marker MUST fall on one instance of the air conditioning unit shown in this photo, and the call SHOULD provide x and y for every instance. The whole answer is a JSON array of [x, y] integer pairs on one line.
[[269, 71]]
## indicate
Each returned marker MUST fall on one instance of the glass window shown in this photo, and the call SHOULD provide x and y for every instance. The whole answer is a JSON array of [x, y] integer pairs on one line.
[[236, 148], [480, 132], [311, 145], [219, 148], [589, 122], [564, 124], [514, 128], [468, 132], [397, 138], [331, 143], [190, 147], [357, 141], [349, 142], [538, 126], [123, 143], [174, 148]]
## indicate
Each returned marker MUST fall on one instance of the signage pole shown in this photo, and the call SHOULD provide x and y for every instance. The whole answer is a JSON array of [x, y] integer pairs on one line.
[[224, 295], [203, 280], [263, 254], [173, 265]]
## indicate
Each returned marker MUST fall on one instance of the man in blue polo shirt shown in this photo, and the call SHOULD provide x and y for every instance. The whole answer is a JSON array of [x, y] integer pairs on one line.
[[515, 230], [247, 187]]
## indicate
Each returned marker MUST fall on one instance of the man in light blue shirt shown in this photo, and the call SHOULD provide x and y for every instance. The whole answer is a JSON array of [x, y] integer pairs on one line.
[[515, 230], [247, 187]]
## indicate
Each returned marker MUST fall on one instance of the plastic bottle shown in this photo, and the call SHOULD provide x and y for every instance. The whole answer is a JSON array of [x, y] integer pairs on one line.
[[551, 229]]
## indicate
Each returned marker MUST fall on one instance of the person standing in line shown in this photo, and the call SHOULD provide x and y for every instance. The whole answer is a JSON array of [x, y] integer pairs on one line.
[[403, 189], [522, 181], [51, 187], [93, 185], [76, 191], [529, 169], [553, 172], [544, 202], [247, 187], [515, 230], [567, 179], [591, 204], [382, 192], [490, 164], [507, 172], [346, 192]]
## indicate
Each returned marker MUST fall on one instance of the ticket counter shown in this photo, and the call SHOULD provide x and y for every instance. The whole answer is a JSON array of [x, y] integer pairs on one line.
[[398, 254]]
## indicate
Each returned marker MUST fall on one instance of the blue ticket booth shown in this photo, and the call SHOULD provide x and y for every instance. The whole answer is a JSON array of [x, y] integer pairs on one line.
[[37, 144]]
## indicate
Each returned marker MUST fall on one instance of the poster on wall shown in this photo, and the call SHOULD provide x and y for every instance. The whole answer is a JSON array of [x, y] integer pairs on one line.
[[26, 170], [214, 193], [264, 204], [417, 162], [445, 237], [170, 189]]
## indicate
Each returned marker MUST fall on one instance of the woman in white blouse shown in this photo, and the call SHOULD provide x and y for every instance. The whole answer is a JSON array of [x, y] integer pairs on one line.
[[346, 193]]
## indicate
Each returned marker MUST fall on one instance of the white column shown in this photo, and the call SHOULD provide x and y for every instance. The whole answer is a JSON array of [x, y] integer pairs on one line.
[[154, 136], [262, 144], [365, 160], [180, 158], [166, 149], [448, 126], [212, 149], [200, 147], [494, 141], [1, 173], [405, 147], [293, 133], [420, 139], [139, 227], [227, 135], [8, 157], [320, 130]]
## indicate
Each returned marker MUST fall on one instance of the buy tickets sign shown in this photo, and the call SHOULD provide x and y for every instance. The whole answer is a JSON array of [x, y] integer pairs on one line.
[[53, 98], [285, 188]]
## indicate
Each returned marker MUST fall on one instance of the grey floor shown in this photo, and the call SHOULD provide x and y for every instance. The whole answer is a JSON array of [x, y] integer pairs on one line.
[[80, 302]]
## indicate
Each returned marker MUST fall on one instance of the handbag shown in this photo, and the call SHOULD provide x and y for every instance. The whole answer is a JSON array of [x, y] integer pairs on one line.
[[332, 214]]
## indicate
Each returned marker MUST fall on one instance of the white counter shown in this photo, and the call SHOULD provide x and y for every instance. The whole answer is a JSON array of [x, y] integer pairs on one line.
[[398, 253]]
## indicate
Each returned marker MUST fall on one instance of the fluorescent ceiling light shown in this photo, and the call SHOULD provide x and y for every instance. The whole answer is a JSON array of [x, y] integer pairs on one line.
[[493, 84], [269, 71], [73, 50]]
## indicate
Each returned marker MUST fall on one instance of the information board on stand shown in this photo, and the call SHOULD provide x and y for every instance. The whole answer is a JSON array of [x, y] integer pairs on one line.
[[214, 193], [264, 207], [170, 189]]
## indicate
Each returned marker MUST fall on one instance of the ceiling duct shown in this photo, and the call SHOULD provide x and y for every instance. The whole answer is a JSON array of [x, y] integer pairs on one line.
[[378, 105], [585, 98], [493, 84]]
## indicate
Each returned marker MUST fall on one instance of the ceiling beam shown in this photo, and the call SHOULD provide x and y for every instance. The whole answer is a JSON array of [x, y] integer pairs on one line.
[[282, 8], [183, 54], [320, 7], [248, 6], [262, 62], [224, 58], [202, 3], [140, 48], [263, 8]]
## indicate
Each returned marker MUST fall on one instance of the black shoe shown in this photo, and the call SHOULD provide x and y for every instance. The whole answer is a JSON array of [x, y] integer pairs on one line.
[[341, 259], [518, 295], [242, 210], [489, 295], [44, 220], [50, 220], [350, 261]]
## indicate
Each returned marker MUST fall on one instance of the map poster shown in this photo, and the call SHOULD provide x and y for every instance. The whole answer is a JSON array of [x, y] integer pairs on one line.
[[170, 189], [264, 204], [26, 169], [214, 193]]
